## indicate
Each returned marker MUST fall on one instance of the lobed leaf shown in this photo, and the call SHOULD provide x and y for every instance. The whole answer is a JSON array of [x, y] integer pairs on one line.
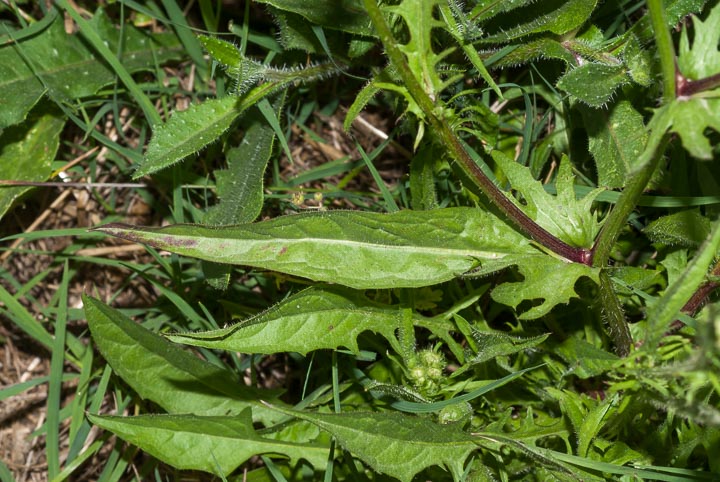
[[702, 59], [396, 444], [691, 119], [563, 215], [212, 444], [547, 281], [314, 319], [166, 374], [356, 249]]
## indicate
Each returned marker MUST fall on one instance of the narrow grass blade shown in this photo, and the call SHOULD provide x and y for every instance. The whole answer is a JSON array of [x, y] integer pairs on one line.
[[56, 365], [88, 30]]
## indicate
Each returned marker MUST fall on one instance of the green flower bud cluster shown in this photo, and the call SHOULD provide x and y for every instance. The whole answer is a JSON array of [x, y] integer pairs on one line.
[[427, 373]]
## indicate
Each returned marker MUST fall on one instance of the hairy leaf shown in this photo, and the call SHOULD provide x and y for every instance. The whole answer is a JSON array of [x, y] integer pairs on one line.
[[209, 443], [27, 151], [585, 360], [684, 228], [617, 138], [347, 15], [314, 319], [396, 444], [563, 215], [564, 17], [165, 373], [189, 131], [492, 344], [486, 9], [690, 117], [594, 83], [66, 67], [240, 186], [356, 249]]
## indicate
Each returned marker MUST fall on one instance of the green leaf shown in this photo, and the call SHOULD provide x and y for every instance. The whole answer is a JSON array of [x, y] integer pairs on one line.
[[422, 178], [27, 151], [421, 58], [585, 360], [639, 62], [594, 83], [617, 138], [492, 344], [356, 249], [665, 310], [240, 186], [66, 67], [592, 424], [222, 52], [187, 132], [563, 215], [564, 17], [212, 444], [396, 444], [166, 374], [361, 100], [547, 282], [691, 118], [314, 319], [703, 58], [685, 228], [347, 15]]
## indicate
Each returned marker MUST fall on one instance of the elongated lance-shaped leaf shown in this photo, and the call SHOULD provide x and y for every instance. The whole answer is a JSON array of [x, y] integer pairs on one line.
[[314, 319], [246, 72], [165, 373], [347, 15], [189, 131], [565, 17], [396, 444], [356, 249], [209, 443]]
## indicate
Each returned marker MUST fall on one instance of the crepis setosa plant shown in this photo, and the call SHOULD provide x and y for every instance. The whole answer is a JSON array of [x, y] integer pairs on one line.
[[551, 242]]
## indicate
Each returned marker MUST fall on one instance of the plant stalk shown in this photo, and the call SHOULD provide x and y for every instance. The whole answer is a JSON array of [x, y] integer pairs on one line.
[[628, 199], [665, 48], [613, 315], [434, 115]]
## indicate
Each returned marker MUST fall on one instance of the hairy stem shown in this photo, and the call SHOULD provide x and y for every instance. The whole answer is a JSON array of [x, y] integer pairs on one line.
[[629, 198], [456, 150], [613, 315], [665, 48]]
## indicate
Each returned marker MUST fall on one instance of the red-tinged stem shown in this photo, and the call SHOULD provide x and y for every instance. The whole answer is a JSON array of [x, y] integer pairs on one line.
[[433, 113], [686, 87]]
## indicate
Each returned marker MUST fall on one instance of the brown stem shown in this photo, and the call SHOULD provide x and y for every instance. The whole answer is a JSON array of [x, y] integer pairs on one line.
[[696, 301], [687, 87]]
